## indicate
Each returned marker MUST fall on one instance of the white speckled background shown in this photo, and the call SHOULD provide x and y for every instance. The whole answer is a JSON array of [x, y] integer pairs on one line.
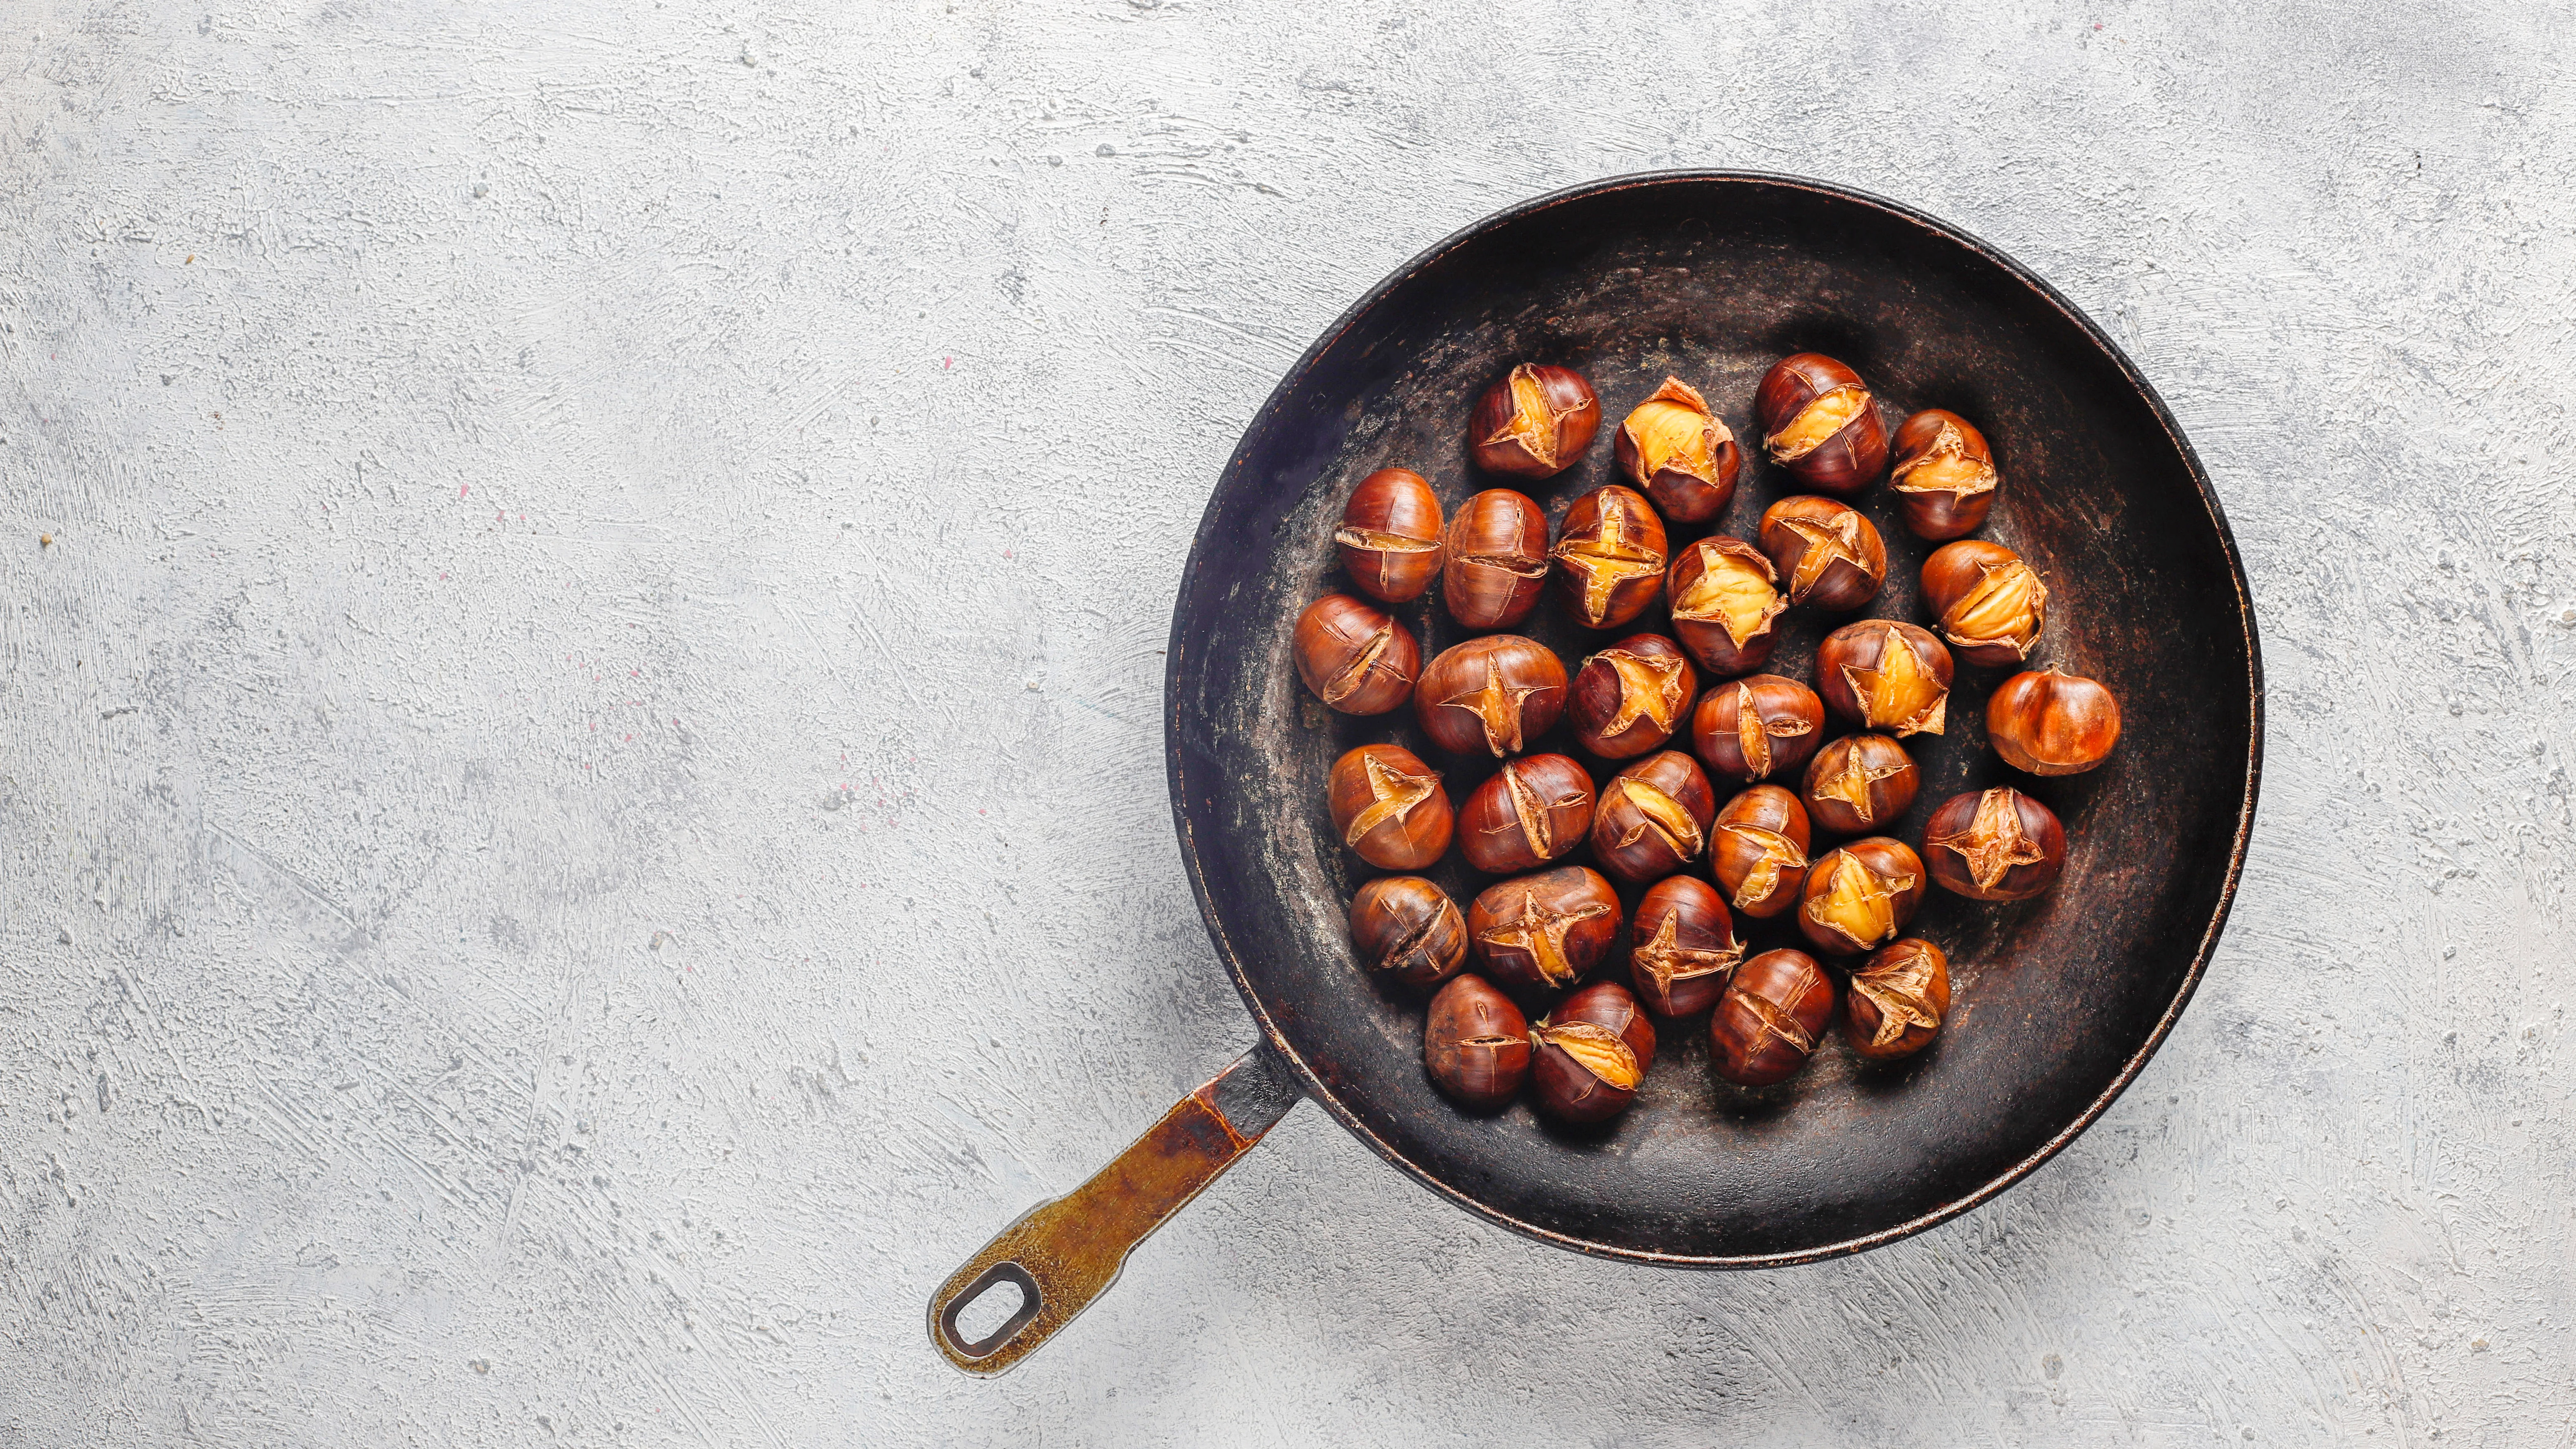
[[581, 799]]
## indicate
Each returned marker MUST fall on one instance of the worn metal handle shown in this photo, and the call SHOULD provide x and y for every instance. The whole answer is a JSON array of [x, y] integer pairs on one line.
[[1065, 1252]]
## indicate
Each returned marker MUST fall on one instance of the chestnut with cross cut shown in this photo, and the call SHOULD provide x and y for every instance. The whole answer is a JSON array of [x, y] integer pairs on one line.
[[1588, 1055], [1861, 895], [1535, 422], [1533, 810], [1544, 932], [1756, 727], [1994, 845], [1675, 448], [1475, 1043], [1766, 1025], [1390, 535], [1494, 560], [1757, 850], [1684, 946], [1609, 557], [1653, 818], [1820, 423], [1724, 603], [1826, 554], [1495, 694], [1356, 658], [1884, 675], [1989, 604], [1388, 806], [2048, 723], [1629, 697], [1860, 783], [1897, 1001], [1944, 477], [1407, 928]]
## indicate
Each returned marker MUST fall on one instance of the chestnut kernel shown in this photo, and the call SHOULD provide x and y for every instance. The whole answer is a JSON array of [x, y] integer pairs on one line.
[[1476, 1044], [1897, 1000], [1494, 560], [1629, 698], [2047, 723], [1535, 422], [1675, 448], [1356, 658], [1860, 783], [1757, 726], [1724, 601], [1861, 895], [1757, 849], [1995, 845], [1685, 946], [1884, 675], [1390, 535], [1532, 811], [1543, 932], [1767, 1024], [1989, 603], [1405, 927], [1831, 556], [1944, 477], [1653, 818], [1820, 423], [1496, 693], [1609, 557], [1588, 1055], [1388, 806]]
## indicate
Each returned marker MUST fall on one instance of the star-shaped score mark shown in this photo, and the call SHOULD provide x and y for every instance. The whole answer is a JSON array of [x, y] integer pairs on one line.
[[1777, 1022], [1779, 853], [1899, 692], [1650, 688], [1754, 734], [1662, 814], [1851, 783], [1534, 818], [1902, 992], [1828, 539], [1535, 424], [1665, 961], [1392, 796], [1541, 932], [1605, 557], [1858, 903], [1733, 591], [1994, 841], [1941, 464], [1497, 706], [1343, 685]]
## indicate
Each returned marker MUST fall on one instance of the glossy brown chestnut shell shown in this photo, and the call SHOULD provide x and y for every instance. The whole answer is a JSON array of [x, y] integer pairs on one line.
[[1355, 656], [1492, 695], [1609, 557], [1990, 604], [1405, 927], [1390, 535], [1768, 1022], [1543, 932], [1857, 898], [1535, 422], [1994, 845], [1533, 810], [1388, 806], [1820, 423], [1493, 561], [1682, 946], [1757, 850], [1897, 1001], [1860, 783], [1944, 477], [1826, 554], [2047, 723], [1653, 818], [1753, 728], [1882, 674], [1725, 603], [1673, 447], [1630, 697], [1588, 1055], [1476, 1044]]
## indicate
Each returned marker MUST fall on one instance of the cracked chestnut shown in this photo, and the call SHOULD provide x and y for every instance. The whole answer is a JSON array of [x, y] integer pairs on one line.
[[1820, 423], [1609, 557], [1987, 601], [1994, 845], [1768, 1022], [1388, 806], [1390, 535], [1405, 927], [1476, 1044], [1356, 658], [1494, 560], [1724, 604], [1543, 932], [1825, 554], [1683, 946], [2048, 723], [1753, 728], [1653, 818], [1535, 422], [1675, 448], [1860, 783], [1757, 849], [1884, 675], [1495, 694], [1533, 810], [1897, 1001], [1588, 1055], [1860, 896], [1630, 697], [1944, 478]]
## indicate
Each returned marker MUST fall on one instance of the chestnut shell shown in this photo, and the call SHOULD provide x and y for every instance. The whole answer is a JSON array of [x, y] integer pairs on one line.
[[1939, 514], [1475, 1043], [1634, 842], [2029, 865], [1332, 646], [1609, 557], [1568, 1090], [1406, 927], [1533, 810], [1852, 558], [1601, 695], [2047, 723], [1409, 838], [1738, 847], [1898, 873], [1886, 790], [1708, 639], [1767, 1024], [1389, 539], [1791, 720], [1496, 694], [1493, 559], [1543, 932], [1896, 967], [1683, 974], [1855, 455], [1564, 392]]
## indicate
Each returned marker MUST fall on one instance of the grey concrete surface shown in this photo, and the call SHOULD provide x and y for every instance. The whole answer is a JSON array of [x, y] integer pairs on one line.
[[581, 809]]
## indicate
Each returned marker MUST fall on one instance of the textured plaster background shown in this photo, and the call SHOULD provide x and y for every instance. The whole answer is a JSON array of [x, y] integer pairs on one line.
[[582, 810]]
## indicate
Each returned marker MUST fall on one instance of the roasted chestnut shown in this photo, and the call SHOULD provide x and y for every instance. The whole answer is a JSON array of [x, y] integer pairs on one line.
[[1994, 845], [1897, 1001], [1408, 928], [2049, 723], [1675, 448], [1724, 603], [1653, 818], [1944, 476], [1609, 557], [1390, 535], [1389, 807], [1989, 603], [1860, 783], [1861, 895], [1494, 560], [1532, 811], [1766, 1025], [1630, 697], [1685, 946], [1476, 1043], [1535, 422], [1821, 424], [1588, 1055], [1355, 657], [1884, 675], [1543, 932], [1757, 849], [1830, 556], [1496, 693], [1756, 727]]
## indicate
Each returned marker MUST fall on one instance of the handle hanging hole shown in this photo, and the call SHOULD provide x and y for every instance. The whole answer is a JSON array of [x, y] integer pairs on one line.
[[986, 1299]]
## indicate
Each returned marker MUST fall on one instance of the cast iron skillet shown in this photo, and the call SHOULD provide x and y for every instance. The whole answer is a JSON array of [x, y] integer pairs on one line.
[[1710, 276]]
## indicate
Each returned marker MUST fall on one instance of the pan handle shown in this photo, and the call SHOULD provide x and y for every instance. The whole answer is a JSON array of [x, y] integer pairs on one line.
[[1065, 1252]]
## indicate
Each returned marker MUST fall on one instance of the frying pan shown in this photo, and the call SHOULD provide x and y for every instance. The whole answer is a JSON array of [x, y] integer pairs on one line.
[[1709, 276]]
